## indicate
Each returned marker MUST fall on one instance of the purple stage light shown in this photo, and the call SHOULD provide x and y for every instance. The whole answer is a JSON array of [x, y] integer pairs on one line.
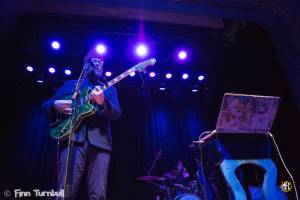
[[101, 49], [29, 68], [152, 74], [132, 74], [55, 45], [168, 75], [141, 50], [182, 55], [68, 72], [201, 77], [51, 70], [40, 81], [108, 74], [185, 76]]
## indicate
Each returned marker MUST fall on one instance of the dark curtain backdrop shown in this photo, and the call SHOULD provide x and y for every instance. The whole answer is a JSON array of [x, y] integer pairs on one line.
[[151, 121]]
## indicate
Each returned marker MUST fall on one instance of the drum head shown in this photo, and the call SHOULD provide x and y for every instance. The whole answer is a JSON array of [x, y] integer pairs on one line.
[[187, 196]]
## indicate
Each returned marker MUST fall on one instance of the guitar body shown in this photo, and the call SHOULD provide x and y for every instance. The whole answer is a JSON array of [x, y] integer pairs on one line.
[[62, 128]]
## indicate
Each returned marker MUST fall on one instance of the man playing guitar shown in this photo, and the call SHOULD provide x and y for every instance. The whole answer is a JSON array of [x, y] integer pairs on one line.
[[92, 143]]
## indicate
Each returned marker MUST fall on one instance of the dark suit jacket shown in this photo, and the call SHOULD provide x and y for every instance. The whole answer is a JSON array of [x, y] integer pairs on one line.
[[95, 128]]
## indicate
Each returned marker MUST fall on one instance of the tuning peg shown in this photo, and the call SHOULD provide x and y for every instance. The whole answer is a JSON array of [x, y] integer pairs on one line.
[[152, 61]]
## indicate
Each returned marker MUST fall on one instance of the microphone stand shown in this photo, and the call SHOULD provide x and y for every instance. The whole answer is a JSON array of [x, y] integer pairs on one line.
[[75, 96], [161, 187], [151, 168]]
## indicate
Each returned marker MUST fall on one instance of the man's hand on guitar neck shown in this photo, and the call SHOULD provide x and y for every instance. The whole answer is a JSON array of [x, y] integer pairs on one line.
[[97, 95], [63, 106]]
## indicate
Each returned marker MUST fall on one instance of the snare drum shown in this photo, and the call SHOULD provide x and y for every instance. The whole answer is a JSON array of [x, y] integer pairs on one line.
[[187, 196]]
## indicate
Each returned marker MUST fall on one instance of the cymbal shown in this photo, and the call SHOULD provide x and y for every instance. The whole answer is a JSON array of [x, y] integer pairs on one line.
[[150, 178]]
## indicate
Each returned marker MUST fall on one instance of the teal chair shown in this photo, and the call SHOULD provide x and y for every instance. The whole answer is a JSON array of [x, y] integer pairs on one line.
[[269, 189]]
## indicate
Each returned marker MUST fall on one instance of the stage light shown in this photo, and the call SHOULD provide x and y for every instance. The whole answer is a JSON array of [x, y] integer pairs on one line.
[[185, 76], [201, 78], [152, 74], [132, 74], [162, 87], [68, 72], [40, 81], [195, 88], [182, 55], [108, 74], [55, 45], [141, 50], [29, 68], [101, 49], [168, 75], [51, 70]]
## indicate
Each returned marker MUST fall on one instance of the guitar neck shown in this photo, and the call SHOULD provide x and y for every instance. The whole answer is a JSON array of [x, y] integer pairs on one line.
[[139, 67], [117, 79]]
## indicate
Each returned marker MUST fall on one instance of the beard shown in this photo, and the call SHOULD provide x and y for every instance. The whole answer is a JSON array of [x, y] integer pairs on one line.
[[94, 74]]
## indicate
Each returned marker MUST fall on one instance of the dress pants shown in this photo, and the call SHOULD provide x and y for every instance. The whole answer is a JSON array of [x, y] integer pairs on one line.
[[91, 160]]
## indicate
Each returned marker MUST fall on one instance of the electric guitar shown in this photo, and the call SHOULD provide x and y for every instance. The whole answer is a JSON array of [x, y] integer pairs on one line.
[[63, 127]]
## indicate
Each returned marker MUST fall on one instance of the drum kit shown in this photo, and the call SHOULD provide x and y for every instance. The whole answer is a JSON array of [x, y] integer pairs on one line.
[[170, 190]]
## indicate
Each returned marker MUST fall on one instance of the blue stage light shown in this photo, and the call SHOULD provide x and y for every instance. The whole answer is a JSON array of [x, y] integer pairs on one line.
[[55, 45], [152, 74], [108, 74], [201, 78], [68, 72], [185, 76], [168, 75], [51, 70], [29, 68]]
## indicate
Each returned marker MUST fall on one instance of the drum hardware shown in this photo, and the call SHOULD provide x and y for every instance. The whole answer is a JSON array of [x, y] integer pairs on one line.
[[172, 191], [165, 191]]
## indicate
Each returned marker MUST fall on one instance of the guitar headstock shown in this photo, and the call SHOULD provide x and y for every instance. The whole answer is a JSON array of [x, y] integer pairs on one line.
[[143, 65]]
